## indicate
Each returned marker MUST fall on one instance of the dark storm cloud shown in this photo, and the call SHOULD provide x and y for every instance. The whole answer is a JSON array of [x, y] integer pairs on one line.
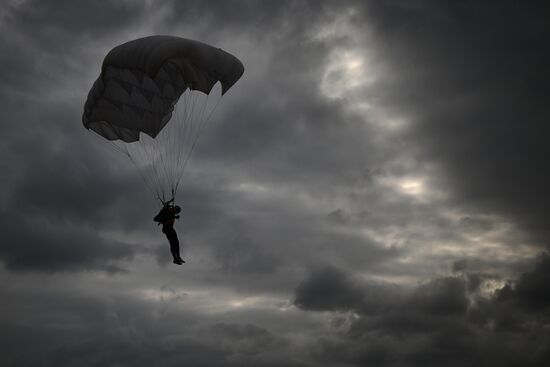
[[85, 16], [52, 210], [477, 84], [55, 197], [39, 38], [433, 323], [215, 345], [34, 245], [530, 289], [76, 328], [76, 192], [243, 255], [331, 289], [443, 296], [241, 14], [432, 312], [288, 179]]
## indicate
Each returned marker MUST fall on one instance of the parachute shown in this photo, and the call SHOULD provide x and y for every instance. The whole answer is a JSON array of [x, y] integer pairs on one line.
[[132, 103]]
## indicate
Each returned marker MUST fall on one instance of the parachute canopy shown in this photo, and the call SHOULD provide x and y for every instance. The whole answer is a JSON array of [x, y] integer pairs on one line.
[[132, 101], [142, 80]]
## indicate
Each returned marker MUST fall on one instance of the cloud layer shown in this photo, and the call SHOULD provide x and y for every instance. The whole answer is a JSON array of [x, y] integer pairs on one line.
[[371, 192]]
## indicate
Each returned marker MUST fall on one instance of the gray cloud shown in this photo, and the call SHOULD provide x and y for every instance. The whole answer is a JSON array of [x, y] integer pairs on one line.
[[529, 290], [371, 192], [476, 88], [433, 323], [331, 289]]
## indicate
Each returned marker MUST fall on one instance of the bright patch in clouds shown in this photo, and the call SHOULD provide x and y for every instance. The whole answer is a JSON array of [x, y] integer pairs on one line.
[[412, 187], [347, 68], [345, 71], [409, 185]]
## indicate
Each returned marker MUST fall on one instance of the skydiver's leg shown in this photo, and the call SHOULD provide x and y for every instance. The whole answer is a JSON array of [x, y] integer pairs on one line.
[[174, 243]]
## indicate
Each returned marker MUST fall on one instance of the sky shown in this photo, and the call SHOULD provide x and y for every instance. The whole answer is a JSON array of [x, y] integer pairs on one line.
[[372, 191]]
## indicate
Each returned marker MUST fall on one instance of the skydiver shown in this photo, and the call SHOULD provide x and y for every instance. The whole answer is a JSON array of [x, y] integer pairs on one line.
[[167, 216]]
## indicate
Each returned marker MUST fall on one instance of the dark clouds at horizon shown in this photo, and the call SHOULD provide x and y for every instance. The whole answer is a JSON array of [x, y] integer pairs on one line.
[[371, 192]]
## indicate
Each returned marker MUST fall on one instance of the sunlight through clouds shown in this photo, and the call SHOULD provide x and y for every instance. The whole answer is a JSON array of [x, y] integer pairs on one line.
[[412, 187], [346, 71], [348, 66], [415, 187]]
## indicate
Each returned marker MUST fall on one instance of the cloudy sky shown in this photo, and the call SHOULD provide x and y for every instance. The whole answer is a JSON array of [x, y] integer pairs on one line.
[[372, 192]]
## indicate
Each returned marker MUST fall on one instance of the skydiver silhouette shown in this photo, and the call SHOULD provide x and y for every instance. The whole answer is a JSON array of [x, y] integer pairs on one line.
[[167, 216]]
